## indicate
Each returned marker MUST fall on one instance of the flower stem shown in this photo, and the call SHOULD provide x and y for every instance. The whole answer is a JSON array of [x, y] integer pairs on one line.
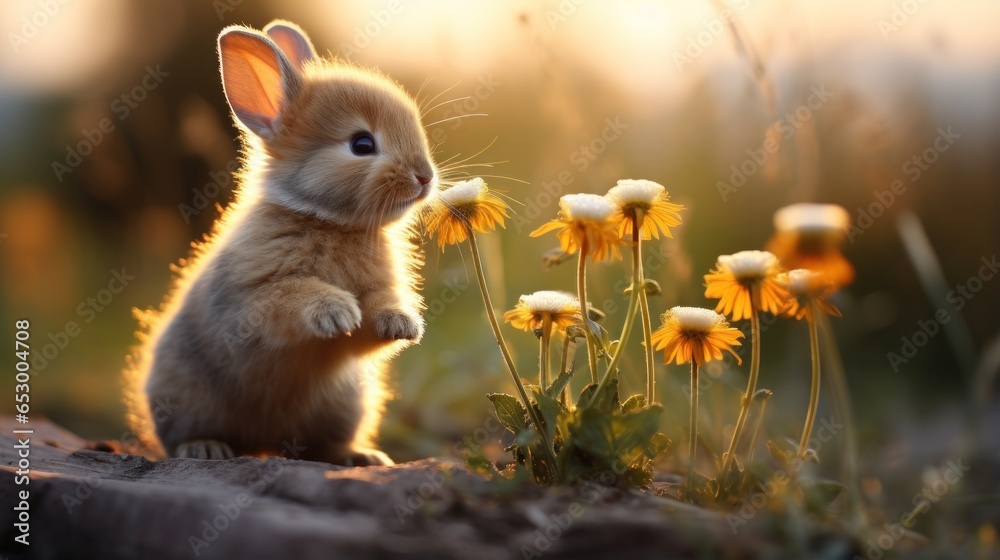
[[751, 383], [567, 397], [550, 453], [841, 398], [757, 426], [693, 449], [814, 393], [647, 331], [637, 288], [543, 351], [581, 288]]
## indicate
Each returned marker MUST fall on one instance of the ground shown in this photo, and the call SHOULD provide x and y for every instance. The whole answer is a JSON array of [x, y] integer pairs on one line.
[[89, 501]]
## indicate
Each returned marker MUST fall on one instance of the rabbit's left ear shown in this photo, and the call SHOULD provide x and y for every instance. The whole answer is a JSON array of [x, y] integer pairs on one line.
[[258, 79], [292, 41]]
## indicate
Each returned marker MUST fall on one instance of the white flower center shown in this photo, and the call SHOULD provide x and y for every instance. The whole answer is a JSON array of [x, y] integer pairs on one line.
[[749, 264], [635, 191], [812, 217], [586, 207], [549, 301], [464, 192], [800, 281], [696, 319]]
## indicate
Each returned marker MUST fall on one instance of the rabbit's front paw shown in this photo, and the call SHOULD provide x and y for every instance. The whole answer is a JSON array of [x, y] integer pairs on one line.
[[396, 325], [332, 316]]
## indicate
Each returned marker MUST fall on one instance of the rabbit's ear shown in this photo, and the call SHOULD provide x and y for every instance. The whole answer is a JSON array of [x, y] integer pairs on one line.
[[292, 40], [258, 79]]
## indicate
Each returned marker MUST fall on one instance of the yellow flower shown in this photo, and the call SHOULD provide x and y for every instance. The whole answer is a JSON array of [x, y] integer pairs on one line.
[[563, 308], [585, 221], [467, 204], [646, 203], [694, 333], [738, 275], [809, 236], [808, 286]]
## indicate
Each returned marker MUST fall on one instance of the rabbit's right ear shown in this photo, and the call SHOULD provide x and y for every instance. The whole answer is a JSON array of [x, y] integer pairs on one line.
[[258, 79]]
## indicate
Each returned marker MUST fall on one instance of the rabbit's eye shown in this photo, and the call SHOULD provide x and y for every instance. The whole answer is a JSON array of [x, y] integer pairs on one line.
[[363, 144]]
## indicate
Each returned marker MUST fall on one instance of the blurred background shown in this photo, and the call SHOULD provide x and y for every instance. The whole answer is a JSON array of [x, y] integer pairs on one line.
[[117, 147]]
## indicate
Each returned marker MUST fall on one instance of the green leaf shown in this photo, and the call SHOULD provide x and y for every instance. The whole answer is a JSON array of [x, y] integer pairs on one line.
[[550, 409], [820, 493], [509, 410], [634, 402], [559, 384], [616, 439], [658, 444], [480, 464], [607, 401]]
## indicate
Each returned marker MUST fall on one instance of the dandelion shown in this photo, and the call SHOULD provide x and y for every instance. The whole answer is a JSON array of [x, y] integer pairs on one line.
[[644, 211], [746, 284], [585, 224], [531, 310], [810, 236], [644, 204], [540, 312], [463, 209], [810, 291], [467, 205], [696, 335]]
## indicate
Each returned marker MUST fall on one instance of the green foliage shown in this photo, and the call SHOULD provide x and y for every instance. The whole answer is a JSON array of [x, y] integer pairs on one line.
[[605, 436]]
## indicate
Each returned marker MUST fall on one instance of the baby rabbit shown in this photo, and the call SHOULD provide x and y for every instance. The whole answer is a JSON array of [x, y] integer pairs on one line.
[[281, 323]]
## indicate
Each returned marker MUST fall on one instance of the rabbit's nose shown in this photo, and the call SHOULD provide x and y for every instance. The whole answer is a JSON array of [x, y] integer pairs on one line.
[[421, 179]]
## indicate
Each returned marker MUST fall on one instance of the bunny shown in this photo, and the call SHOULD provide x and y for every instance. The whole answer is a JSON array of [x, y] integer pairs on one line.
[[278, 329]]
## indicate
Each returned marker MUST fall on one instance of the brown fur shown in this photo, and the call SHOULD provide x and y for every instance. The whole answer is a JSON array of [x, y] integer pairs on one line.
[[281, 323]]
